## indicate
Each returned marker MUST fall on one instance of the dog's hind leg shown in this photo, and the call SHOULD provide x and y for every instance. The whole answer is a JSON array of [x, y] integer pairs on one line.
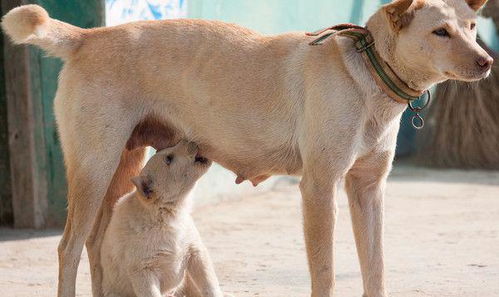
[[92, 147], [365, 187], [86, 189], [130, 165]]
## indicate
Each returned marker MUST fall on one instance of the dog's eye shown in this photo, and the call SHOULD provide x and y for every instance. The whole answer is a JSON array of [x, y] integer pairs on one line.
[[472, 26], [441, 32], [168, 159]]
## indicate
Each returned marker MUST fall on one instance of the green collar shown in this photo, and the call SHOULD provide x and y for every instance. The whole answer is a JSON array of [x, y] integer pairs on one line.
[[382, 73], [386, 79]]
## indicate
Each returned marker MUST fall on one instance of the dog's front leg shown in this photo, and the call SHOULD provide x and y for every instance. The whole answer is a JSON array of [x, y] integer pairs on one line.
[[200, 269], [187, 288], [365, 185], [319, 218], [145, 284], [328, 148], [318, 187]]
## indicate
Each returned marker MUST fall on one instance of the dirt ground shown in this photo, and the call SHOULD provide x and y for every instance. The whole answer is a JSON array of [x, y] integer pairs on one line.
[[442, 239]]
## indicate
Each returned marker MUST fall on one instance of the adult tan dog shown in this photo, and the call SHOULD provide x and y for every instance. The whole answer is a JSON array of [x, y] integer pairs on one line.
[[257, 105]]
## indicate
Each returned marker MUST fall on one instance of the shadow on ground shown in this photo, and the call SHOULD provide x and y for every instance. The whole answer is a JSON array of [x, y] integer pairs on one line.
[[8, 234]]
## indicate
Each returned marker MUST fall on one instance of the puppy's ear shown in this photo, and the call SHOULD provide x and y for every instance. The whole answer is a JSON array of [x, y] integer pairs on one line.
[[399, 14], [144, 186], [476, 4]]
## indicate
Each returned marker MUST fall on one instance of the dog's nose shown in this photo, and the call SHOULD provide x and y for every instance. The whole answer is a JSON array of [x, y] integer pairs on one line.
[[485, 62]]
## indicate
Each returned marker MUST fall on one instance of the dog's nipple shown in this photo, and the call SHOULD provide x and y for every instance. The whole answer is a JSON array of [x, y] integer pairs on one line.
[[239, 179], [256, 180]]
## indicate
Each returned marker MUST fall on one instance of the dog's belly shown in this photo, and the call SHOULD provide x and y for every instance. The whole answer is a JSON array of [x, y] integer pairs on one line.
[[252, 163], [256, 165]]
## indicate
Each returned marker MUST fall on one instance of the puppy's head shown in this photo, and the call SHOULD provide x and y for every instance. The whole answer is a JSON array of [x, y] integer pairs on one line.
[[437, 38], [171, 173]]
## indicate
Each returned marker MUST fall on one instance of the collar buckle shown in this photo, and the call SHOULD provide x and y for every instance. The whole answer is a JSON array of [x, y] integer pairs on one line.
[[417, 120]]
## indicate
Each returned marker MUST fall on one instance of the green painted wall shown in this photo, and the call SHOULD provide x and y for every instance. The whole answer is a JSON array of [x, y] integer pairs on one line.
[[277, 16], [489, 33], [6, 215]]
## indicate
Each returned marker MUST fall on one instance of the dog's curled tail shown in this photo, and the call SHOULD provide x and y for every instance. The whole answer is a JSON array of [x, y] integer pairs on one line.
[[31, 24]]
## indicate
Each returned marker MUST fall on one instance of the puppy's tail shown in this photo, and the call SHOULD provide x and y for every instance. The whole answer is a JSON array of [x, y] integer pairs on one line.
[[31, 24]]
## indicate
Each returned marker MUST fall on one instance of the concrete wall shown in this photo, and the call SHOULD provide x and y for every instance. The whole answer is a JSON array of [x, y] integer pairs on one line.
[[277, 16]]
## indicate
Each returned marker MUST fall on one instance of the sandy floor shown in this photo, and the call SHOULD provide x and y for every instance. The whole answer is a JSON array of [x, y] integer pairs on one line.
[[442, 239]]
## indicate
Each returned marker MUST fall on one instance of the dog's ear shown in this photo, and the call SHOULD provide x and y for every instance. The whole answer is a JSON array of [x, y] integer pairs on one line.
[[476, 4], [399, 13], [144, 186]]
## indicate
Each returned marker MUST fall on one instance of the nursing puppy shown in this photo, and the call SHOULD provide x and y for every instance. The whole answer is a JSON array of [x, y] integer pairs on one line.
[[257, 105], [152, 243]]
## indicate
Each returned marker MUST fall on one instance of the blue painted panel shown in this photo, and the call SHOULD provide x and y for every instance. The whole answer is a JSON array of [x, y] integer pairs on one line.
[[124, 11]]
